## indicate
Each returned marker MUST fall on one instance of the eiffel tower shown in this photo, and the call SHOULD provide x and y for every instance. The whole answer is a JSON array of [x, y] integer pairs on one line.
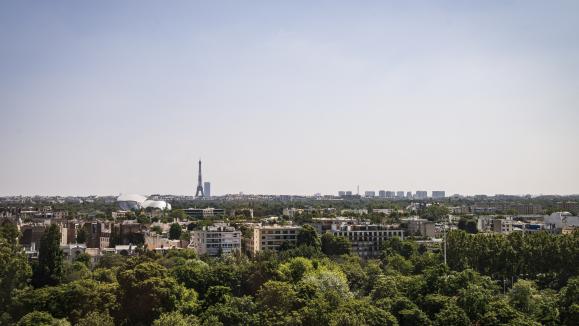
[[199, 193]]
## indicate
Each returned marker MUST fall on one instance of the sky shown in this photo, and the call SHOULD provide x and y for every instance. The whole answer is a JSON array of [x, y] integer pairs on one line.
[[289, 97]]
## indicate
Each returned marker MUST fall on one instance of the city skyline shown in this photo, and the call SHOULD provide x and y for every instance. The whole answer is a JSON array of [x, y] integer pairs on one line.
[[289, 98]]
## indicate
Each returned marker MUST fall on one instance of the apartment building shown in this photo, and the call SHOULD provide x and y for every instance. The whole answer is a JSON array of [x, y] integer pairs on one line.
[[367, 239], [215, 240], [270, 237], [502, 226]]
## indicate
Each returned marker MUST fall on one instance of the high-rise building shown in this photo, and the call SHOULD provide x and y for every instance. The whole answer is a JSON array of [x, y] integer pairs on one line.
[[400, 194], [421, 194], [390, 194], [348, 193], [409, 195], [341, 193], [382, 193], [370, 193], [207, 189], [438, 194]]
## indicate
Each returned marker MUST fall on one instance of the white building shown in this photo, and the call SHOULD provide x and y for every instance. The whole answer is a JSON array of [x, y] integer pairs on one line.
[[215, 240], [559, 220]]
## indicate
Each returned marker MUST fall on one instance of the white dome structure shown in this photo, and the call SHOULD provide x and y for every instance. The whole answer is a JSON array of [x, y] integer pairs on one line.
[[132, 202], [160, 204]]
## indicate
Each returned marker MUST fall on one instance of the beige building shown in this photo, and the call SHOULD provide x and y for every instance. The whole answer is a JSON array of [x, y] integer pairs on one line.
[[502, 226], [270, 237], [420, 227], [215, 240], [367, 239]]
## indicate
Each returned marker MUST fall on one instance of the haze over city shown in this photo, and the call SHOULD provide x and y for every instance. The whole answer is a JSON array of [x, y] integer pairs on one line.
[[289, 98]]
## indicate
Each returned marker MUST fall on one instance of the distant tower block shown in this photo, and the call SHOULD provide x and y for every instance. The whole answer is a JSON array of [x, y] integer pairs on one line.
[[199, 193], [207, 189]]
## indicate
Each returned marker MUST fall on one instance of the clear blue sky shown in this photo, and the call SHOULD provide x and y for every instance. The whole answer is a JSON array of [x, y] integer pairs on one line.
[[289, 97]]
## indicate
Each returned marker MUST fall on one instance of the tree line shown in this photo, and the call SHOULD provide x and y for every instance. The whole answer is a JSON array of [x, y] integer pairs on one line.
[[317, 282]]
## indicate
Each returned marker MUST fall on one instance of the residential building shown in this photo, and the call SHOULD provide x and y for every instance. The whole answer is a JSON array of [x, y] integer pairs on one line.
[[356, 211], [503, 225], [367, 239], [419, 227], [421, 194], [409, 195], [215, 240], [382, 193], [400, 194], [270, 237], [370, 194], [438, 194], [200, 213], [386, 211], [324, 224]]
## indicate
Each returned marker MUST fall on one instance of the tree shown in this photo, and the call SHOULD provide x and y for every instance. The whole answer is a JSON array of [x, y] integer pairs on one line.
[[156, 291], [474, 300], [277, 296], [49, 270], [452, 315], [178, 214], [175, 231], [38, 318], [81, 236], [308, 236], [521, 296], [569, 302], [9, 232], [14, 271], [468, 225], [435, 212], [96, 318], [176, 319], [335, 245]]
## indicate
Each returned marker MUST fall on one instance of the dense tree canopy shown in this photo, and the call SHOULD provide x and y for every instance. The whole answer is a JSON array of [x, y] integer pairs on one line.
[[489, 280]]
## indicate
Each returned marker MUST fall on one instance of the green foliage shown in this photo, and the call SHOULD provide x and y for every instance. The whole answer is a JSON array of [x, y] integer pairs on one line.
[[147, 290], [307, 236], [176, 319], [535, 255], [96, 318], [468, 225], [335, 245], [314, 283], [435, 212], [175, 231], [14, 271], [569, 302], [39, 318], [81, 236], [452, 315], [49, 270], [178, 214]]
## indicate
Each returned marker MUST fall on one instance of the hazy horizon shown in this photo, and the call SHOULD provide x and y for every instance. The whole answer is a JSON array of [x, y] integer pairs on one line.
[[293, 97]]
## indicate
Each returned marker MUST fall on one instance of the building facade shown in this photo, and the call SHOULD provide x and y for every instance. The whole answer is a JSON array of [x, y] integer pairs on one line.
[[215, 240], [367, 239], [270, 237]]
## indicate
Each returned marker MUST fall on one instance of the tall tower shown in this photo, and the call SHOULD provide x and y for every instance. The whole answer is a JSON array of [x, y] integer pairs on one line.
[[199, 192]]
